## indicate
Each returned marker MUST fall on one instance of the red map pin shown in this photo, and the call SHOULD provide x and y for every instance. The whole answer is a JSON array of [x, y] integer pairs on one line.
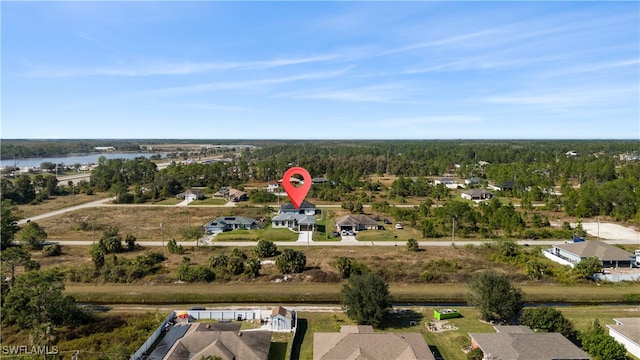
[[296, 194]]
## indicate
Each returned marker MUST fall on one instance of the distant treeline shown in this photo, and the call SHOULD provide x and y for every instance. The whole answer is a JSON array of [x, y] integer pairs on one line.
[[22, 149]]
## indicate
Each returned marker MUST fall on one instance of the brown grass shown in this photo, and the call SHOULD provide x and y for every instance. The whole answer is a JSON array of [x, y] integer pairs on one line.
[[56, 203], [143, 222]]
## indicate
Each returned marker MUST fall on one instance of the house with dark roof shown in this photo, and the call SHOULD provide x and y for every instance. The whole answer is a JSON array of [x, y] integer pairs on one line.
[[571, 254], [282, 319], [476, 194], [507, 185], [355, 342], [306, 208], [228, 223], [521, 343], [223, 340], [626, 331], [355, 223]]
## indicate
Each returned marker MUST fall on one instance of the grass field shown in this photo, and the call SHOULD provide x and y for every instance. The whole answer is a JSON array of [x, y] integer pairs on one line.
[[261, 292]]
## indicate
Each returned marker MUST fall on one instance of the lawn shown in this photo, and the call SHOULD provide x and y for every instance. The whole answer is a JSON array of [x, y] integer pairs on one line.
[[390, 234], [209, 201], [269, 234], [446, 344]]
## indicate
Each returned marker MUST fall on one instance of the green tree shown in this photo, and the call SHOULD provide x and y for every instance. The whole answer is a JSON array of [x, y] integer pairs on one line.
[[600, 345], [494, 296], [37, 298], [174, 248], [252, 267], [131, 242], [24, 189], [587, 267], [291, 261], [12, 258], [412, 245], [366, 299], [9, 222], [548, 319], [265, 248], [192, 233], [31, 236], [111, 241], [475, 354], [343, 264]]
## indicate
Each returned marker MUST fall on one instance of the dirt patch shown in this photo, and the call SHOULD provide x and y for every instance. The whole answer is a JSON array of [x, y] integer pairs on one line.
[[440, 326], [610, 231]]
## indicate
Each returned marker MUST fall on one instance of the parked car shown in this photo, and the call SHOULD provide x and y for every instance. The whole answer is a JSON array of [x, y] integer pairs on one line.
[[335, 234], [387, 221], [399, 226]]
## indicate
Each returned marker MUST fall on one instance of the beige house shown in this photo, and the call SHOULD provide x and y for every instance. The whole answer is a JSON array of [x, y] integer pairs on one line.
[[219, 339], [355, 223], [361, 342]]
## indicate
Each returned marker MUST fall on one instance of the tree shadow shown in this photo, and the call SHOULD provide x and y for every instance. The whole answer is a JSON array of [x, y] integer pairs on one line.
[[297, 340], [436, 352], [402, 319]]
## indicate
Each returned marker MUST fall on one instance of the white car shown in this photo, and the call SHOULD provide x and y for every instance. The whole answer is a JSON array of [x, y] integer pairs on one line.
[[398, 226]]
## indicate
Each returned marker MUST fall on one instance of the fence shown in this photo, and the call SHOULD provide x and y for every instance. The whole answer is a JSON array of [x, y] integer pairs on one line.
[[152, 339]]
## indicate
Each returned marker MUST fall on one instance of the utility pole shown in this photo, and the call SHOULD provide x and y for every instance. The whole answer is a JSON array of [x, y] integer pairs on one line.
[[453, 231]]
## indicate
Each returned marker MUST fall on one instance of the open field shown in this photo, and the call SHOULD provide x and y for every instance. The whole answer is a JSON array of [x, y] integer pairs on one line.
[[56, 203]]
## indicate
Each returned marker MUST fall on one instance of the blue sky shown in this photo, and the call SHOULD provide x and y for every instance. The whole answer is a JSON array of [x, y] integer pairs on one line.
[[321, 70]]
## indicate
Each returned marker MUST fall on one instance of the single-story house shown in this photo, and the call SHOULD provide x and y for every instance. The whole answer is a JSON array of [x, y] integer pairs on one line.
[[306, 208], [361, 342], [224, 340], [610, 256], [191, 195], [502, 187], [293, 221], [237, 195], [520, 342], [626, 331], [272, 186], [473, 181], [228, 223], [355, 223], [282, 319], [449, 182], [476, 194], [230, 194]]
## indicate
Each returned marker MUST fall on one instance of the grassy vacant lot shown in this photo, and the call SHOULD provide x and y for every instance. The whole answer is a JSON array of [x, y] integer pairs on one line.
[[255, 235], [56, 203], [263, 292], [141, 221]]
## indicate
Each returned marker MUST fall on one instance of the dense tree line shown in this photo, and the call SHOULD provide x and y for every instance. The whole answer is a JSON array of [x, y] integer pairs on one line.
[[37, 148]]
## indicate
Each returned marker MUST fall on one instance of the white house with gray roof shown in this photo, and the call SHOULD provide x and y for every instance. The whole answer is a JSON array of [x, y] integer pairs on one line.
[[626, 331], [571, 254]]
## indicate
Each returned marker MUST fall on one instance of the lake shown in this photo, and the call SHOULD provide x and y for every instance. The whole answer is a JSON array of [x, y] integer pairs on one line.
[[71, 160]]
